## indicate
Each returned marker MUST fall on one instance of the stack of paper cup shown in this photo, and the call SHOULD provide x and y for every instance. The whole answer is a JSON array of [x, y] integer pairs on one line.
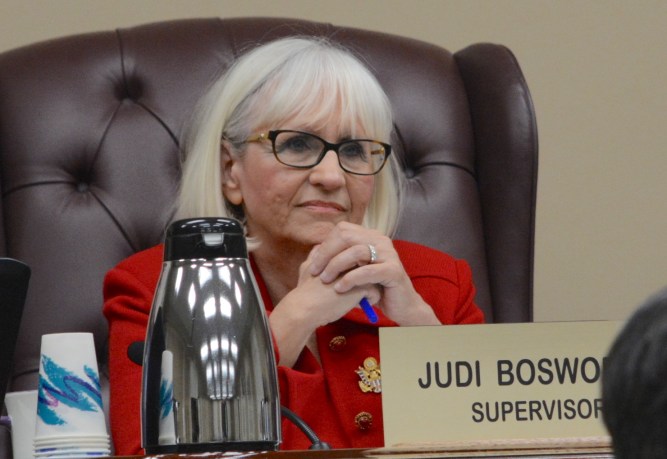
[[70, 417], [22, 409]]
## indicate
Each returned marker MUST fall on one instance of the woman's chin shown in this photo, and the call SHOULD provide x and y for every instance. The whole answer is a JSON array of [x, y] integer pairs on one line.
[[316, 234]]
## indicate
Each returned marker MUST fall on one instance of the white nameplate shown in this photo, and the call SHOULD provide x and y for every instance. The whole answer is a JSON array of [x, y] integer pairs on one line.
[[493, 381]]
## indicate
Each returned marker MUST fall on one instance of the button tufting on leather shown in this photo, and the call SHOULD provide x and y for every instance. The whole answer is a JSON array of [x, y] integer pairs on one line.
[[82, 187], [130, 88], [134, 87]]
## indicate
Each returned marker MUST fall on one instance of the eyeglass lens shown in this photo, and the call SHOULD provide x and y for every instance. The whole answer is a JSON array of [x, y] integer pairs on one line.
[[303, 150]]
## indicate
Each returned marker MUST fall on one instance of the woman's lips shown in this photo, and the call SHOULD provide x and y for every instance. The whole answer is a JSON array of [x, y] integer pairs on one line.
[[323, 206]]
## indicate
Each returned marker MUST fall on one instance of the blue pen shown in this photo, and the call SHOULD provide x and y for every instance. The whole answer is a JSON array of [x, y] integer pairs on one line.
[[368, 310]]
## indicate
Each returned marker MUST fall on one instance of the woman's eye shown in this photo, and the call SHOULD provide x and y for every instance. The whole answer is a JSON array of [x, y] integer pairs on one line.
[[353, 150], [298, 144]]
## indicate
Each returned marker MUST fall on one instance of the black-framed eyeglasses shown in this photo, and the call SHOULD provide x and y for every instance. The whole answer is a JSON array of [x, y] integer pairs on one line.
[[304, 150]]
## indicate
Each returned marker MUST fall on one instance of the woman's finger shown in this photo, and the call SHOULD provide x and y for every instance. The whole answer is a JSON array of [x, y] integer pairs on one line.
[[349, 259], [343, 236]]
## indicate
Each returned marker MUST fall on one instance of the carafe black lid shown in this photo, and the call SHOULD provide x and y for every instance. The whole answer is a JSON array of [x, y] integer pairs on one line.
[[205, 238]]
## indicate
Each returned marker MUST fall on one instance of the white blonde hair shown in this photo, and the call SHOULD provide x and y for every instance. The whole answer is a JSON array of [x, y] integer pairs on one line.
[[270, 85]]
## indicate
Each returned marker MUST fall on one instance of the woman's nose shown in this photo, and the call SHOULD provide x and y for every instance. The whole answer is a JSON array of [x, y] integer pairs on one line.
[[328, 172]]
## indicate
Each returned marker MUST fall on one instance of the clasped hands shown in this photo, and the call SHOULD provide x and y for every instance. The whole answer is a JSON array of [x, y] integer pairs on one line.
[[334, 278]]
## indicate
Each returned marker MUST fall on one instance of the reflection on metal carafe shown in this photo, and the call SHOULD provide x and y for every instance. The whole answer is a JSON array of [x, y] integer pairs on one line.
[[209, 371]]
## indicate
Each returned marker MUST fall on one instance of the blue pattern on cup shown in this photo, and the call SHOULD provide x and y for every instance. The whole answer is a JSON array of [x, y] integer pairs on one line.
[[59, 385], [166, 397]]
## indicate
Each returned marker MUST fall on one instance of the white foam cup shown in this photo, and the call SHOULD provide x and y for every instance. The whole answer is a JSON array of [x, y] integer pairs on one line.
[[72, 441], [70, 397], [22, 410]]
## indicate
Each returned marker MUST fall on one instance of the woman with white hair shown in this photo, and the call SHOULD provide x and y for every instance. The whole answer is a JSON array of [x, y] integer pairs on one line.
[[294, 141]]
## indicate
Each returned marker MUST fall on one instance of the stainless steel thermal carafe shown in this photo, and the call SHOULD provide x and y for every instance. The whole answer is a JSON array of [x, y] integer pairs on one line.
[[209, 371]]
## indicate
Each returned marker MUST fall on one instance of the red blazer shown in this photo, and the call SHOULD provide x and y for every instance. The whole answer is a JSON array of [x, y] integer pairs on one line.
[[327, 397]]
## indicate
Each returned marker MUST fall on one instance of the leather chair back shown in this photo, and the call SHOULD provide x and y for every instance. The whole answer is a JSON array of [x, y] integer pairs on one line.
[[90, 127]]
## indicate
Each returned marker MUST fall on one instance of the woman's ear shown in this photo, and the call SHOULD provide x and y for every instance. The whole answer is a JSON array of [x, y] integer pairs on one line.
[[231, 188]]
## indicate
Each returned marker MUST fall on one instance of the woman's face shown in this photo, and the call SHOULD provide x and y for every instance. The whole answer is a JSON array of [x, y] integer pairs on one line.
[[285, 206]]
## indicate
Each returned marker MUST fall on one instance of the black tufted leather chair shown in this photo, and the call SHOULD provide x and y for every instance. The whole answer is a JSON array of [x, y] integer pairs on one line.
[[89, 157]]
